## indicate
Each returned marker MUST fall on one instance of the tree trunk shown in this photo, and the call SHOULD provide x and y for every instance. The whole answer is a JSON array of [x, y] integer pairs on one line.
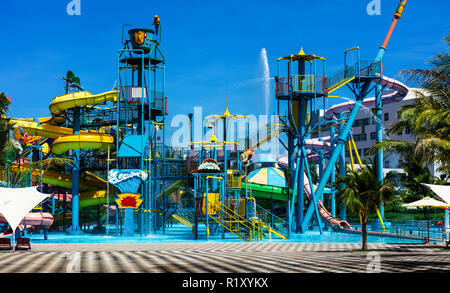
[[364, 235]]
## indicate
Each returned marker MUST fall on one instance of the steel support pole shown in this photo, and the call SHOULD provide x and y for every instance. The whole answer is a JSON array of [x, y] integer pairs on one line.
[[342, 207], [301, 166], [446, 221], [332, 176], [301, 110], [128, 222], [75, 228], [379, 132]]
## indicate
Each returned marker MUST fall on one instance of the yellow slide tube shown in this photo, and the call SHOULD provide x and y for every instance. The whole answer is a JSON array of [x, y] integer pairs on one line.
[[45, 130], [83, 141], [61, 103]]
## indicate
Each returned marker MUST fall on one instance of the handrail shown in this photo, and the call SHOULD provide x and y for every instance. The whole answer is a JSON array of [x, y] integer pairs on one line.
[[354, 48], [181, 220], [273, 129], [276, 220], [252, 229]]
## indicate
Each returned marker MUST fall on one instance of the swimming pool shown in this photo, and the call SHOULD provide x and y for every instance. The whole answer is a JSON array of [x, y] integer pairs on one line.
[[180, 233]]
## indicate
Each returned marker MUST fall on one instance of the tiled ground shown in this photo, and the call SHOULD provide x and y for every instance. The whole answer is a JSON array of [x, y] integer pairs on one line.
[[223, 258]]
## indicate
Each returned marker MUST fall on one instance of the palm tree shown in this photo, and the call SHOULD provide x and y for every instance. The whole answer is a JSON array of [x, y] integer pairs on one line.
[[6, 146], [428, 117], [363, 194], [416, 173], [4, 105], [72, 81]]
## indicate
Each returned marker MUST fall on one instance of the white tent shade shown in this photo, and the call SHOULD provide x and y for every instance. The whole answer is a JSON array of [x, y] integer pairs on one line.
[[16, 203], [443, 191], [427, 202]]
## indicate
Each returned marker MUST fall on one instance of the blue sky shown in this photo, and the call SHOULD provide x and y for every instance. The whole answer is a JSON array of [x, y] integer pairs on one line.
[[212, 47]]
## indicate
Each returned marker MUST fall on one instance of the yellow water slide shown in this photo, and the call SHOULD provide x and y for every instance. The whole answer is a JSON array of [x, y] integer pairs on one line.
[[87, 184], [61, 103], [92, 189], [65, 140]]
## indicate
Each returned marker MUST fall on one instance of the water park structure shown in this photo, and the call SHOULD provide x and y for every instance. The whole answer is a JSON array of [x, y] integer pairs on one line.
[[100, 158]]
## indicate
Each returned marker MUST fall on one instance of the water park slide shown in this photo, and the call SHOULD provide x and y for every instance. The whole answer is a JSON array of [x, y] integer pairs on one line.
[[34, 219], [82, 141], [266, 191], [93, 191], [88, 199], [61, 103], [64, 138], [63, 180], [397, 91], [44, 130], [323, 212], [172, 188], [48, 126], [94, 198], [53, 120]]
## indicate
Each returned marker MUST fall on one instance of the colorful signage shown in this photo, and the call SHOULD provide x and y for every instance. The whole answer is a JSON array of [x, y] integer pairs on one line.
[[129, 200]]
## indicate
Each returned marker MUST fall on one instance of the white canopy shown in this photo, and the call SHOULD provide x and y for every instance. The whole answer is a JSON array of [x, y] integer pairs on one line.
[[427, 202], [443, 191], [16, 203]]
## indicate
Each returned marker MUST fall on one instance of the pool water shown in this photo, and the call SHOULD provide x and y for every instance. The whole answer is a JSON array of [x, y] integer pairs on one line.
[[180, 233]]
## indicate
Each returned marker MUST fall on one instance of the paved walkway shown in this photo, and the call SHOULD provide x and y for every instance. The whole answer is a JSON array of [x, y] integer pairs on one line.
[[223, 258]]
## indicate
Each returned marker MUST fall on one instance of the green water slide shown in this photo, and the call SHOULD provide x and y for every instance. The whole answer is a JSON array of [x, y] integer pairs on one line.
[[266, 191], [270, 192]]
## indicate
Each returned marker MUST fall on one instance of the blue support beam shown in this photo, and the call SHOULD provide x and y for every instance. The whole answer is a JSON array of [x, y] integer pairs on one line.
[[446, 220], [128, 222], [294, 194], [301, 166], [332, 176], [75, 228], [340, 144], [342, 207], [314, 199], [379, 132]]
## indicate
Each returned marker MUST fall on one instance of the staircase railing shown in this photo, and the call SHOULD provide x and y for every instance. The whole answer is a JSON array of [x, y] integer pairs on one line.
[[272, 130], [363, 69], [244, 229], [182, 220], [279, 226]]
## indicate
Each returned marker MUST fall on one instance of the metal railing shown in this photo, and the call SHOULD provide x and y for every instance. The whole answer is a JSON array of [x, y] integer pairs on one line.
[[244, 229], [363, 69], [406, 228], [161, 150], [237, 205], [266, 133], [134, 95], [168, 169], [309, 84], [234, 179], [370, 69], [157, 100], [341, 75], [301, 84], [282, 86], [271, 220]]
